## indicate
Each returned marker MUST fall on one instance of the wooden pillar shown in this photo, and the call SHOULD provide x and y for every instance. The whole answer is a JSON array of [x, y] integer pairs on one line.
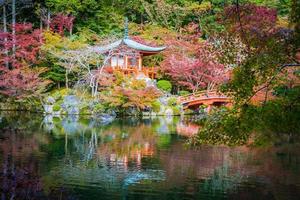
[[126, 62], [152, 72], [140, 63]]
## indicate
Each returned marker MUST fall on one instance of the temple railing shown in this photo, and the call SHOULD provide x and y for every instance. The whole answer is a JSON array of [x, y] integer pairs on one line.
[[134, 70]]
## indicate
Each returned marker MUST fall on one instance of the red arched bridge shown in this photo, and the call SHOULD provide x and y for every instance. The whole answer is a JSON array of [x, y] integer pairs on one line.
[[210, 99]]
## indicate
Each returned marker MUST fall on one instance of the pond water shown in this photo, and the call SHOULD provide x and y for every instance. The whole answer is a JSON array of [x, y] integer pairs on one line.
[[72, 158]]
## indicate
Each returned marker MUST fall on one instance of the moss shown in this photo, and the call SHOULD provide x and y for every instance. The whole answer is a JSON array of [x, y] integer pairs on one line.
[[183, 92], [164, 85]]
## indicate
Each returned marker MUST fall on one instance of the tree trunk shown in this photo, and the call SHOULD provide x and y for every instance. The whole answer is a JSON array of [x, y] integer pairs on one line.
[[67, 80], [13, 23], [41, 19], [48, 19], [5, 31], [71, 30]]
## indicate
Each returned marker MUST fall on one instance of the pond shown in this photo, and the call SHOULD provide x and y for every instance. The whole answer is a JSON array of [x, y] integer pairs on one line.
[[82, 158]]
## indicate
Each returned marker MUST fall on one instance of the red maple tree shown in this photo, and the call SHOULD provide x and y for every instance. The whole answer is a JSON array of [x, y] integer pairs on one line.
[[22, 82], [253, 23], [61, 22], [17, 78], [27, 44], [190, 63], [194, 72]]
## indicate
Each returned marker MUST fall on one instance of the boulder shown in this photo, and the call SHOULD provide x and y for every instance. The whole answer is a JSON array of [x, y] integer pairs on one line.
[[50, 100], [48, 109], [149, 82], [71, 105], [169, 112]]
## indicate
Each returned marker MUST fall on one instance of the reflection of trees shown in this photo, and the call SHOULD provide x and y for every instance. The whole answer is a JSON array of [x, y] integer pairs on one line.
[[105, 154], [20, 178], [130, 156], [187, 129]]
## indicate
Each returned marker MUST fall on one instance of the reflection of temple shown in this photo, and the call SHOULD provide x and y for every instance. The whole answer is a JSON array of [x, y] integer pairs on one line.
[[126, 55]]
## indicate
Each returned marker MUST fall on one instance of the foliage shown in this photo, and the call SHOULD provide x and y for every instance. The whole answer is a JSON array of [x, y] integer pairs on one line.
[[22, 83], [267, 49], [20, 49], [56, 107], [201, 70], [128, 93], [156, 106], [164, 85], [172, 101], [61, 22], [276, 120], [176, 110], [295, 22]]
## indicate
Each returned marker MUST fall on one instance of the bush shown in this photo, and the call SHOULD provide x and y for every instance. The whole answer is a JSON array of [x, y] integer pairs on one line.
[[99, 108], [56, 107], [84, 109], [172, 101], [156, 106], [176, 110], [164, 85]]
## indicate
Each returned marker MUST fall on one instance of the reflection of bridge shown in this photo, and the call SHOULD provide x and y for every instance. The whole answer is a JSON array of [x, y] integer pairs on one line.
[[210, 99]]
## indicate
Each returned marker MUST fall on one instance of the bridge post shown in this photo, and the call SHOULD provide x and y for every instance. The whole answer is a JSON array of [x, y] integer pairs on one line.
[[209, 108]]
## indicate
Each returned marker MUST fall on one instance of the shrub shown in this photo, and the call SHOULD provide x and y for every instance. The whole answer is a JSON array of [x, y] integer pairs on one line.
[[56, 107], [176, 110], [164, 85], [188, 112], [84, 109], [99, 108], [172, 101], [156, 106]]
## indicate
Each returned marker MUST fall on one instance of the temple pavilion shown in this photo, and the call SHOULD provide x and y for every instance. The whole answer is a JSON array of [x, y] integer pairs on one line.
[[126, 55]]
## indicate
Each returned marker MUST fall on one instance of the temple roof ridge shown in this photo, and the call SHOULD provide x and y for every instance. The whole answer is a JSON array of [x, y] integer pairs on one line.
[[130, 43], [126, 40]]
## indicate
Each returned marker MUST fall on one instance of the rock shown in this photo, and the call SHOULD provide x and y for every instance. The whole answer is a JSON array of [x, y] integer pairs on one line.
[[149, 82], [146, 113], [50, 100], [169, 112], [106, 118], [48, 109], [132, 111], [71, 100], [164, 100], [48, 122], [71, 105]]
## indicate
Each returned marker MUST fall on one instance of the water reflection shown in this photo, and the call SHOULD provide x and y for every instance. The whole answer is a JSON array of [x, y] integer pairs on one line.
[[81, 158]]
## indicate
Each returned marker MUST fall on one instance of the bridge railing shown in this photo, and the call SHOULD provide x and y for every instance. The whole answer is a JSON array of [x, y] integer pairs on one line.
[[201, 94]]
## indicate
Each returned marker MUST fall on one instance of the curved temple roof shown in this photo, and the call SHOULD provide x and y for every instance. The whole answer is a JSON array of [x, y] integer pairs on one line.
[[144, 49]]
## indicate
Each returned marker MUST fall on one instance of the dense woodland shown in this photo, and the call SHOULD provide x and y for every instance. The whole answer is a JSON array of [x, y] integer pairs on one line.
[[240, 47]]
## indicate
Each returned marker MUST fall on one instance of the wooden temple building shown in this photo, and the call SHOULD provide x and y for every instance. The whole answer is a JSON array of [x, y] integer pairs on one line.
[[126, 55]]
